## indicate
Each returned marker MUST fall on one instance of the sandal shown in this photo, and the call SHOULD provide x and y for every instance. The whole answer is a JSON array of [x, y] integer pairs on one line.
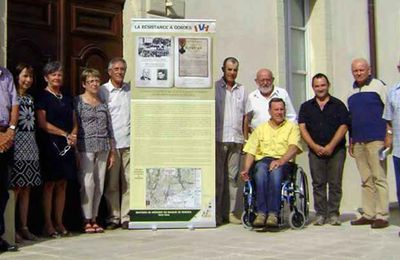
[[18, 238], [53, 234], [97, 228], [63, 232], [24, 232], [89, 229]]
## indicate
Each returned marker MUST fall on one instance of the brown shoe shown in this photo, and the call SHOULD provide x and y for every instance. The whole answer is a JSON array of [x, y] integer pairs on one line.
[[260, 220], [380, 223], [112, 226], [272, 221], [362, 221], [125, 225], [233, 219]]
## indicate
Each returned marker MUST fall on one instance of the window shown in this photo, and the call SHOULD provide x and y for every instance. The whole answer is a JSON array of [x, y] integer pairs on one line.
[[296, 14]]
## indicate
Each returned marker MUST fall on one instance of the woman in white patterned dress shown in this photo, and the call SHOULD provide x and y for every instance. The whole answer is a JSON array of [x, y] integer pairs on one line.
[[25, 172]]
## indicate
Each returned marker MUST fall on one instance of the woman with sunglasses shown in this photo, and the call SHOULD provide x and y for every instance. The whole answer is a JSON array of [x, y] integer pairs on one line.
[[95, 141], [25, 172], [58, 127]]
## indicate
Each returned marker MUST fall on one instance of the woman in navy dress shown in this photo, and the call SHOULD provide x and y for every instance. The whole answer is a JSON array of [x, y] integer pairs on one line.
[[25, 170], [57, 140]]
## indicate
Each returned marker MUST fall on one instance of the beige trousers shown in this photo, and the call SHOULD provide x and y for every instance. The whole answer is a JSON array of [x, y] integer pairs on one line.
[[91, 178], [374, 186], [117, 187]]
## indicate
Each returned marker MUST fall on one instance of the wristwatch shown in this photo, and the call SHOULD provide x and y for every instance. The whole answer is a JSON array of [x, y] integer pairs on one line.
[[12, 127], [390, 132]]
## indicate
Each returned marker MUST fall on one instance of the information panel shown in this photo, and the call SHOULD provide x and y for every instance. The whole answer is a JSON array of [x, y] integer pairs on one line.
[[172, 182]]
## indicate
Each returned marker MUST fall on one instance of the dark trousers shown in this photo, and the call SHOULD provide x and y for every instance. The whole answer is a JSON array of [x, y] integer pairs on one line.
[[227, 172], [5, 159], [327, 172]]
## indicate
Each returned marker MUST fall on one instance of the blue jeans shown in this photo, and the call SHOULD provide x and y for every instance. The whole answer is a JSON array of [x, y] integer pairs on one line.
[[268, 185], [396, 163]]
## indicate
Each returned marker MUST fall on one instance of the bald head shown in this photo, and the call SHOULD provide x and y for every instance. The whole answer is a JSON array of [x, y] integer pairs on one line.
[[264, 71], [265, 81], [360, 70]]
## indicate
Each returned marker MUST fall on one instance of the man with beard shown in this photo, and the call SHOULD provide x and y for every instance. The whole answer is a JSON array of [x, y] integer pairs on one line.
[[258, 101]]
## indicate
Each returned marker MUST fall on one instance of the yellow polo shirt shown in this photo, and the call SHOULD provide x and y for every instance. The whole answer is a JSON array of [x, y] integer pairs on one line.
[[267, 141]]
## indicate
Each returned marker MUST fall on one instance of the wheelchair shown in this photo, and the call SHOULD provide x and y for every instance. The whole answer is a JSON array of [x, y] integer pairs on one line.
[[294, 206]]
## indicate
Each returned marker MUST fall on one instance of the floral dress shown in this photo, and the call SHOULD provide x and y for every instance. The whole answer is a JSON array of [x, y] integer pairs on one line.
[[25, 170]]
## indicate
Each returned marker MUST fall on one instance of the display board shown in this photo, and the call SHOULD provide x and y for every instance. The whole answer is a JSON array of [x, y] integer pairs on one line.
[[172, 183]]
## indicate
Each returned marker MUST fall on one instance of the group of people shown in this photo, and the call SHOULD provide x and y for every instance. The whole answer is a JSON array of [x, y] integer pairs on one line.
[[85, 138], [263, 124], [88, 137]]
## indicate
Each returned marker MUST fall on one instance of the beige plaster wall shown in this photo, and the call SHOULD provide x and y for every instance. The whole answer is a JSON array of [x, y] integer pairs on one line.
[[246, 30], [387, 15]]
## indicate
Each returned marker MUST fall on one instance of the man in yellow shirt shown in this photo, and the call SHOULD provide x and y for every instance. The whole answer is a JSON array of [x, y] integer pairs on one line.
[[272, 145]]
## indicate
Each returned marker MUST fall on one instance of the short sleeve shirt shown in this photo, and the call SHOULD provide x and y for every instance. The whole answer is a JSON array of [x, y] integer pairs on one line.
[[258, 105], [392, 113], [323, 124], [8, 96], [266, 141]]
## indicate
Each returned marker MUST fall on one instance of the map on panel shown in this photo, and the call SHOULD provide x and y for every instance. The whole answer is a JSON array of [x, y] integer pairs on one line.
[[173, 188]]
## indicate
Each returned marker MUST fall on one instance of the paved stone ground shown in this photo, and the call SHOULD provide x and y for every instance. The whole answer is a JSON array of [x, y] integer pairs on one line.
[[226, 242]]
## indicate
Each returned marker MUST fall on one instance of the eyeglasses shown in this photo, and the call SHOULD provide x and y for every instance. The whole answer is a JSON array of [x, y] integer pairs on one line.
[[97, 81], [63, 151]]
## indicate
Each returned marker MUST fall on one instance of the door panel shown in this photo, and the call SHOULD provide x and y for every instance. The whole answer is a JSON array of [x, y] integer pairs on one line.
[[79, 33]]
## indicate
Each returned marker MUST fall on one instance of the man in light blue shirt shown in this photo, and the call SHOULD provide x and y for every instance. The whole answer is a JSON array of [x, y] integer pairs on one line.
[[8, 121], [392, 115]]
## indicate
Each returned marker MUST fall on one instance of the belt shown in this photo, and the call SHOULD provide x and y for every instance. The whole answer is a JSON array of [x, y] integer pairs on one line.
[[3, 129]]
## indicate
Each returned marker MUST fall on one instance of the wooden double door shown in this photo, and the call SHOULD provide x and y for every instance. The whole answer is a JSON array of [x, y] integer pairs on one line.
[[79, 33]]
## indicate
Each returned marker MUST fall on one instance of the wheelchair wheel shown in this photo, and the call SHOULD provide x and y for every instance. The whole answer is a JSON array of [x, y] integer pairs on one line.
[[297, 220], [302, 195], [248, 219]]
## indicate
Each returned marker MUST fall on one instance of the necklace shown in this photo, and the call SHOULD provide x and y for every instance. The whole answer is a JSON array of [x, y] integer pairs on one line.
[[58, 96]]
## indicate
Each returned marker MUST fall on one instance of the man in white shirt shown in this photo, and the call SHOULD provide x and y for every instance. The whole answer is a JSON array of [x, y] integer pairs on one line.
[[117, 95], [230, 101], [258, 101]]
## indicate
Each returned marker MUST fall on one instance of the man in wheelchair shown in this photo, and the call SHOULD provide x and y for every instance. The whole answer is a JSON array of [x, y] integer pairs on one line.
[[271, 146]]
